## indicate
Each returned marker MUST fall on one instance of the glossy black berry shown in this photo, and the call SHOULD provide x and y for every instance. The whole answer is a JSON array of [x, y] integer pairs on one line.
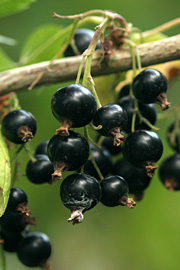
[[148, 111], [79, 193], [18, 201], [173, 137], [169, 172], [12, 222], [103, 160], [82, 39], [67, 152], [111, 120], [115, 192], [136, 178], [34, 250], [19, 126], [143, 148], [41, 170], [73, 106], [41, 148], [125, 90], [150, 86]]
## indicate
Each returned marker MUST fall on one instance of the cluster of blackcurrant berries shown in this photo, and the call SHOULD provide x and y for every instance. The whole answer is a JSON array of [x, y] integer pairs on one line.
[[32, 248], [96, 178]]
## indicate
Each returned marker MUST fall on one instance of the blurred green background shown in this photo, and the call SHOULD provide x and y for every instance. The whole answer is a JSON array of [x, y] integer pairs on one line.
[[109, 238]]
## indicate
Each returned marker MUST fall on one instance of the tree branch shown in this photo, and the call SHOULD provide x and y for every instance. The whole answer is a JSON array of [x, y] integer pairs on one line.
[[66, 69]]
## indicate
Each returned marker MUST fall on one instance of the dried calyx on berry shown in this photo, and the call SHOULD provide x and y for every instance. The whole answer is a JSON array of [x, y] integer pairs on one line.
[[111, 120], [115, 192], [67, 153], [19, 126], [150, 86], [79, 193], [136, 178], [18, 201], [143, 148]]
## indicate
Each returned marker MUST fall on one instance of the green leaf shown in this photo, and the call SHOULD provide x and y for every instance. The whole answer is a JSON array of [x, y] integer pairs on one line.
[[43, 44], [13, 6], [5, 61], [7, 41], [5, 175]]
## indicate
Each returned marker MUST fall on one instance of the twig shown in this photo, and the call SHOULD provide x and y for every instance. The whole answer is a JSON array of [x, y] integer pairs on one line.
[[66, 69]]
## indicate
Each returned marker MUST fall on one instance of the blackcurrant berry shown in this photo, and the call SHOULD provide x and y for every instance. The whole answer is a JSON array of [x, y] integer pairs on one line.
[[41, 148], [18, 201], [115, 192], [136, 178], [34, 250], [67, 152], [82, 39], [150, 86], [147, 111], [125, 90], [169, 172], [41, 170], [103, 160], [143, 148], [73, 106], [19, 126], [111, 120], [173, 137], [79, 193], [12, 222]]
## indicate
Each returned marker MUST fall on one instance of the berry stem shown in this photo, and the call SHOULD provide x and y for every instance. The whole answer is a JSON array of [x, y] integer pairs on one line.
[[89, 54], [29, 153], [162, 28], [80, 69]]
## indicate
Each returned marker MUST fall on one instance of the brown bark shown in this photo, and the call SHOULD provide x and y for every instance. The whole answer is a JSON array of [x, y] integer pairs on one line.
[[65, 69]]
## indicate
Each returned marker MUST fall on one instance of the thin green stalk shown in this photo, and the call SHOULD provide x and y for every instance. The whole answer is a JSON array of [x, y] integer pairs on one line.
[[28, 151], [2, 258], [162, 28], [80, 69], [95, 93]]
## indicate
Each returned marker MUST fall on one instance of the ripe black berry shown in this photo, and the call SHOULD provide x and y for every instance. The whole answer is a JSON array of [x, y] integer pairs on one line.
[[150, 86], [115, 192], [41, 170], [136, 178], [112, 119], [67, 152], [147, 111], [125, 90], [19, 126], [12, 222], [169, 172], [82, 39], [18, 201], [143, 148], [34, 250], [41, 148], [73, 106], [79, 193], [103, 160]]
